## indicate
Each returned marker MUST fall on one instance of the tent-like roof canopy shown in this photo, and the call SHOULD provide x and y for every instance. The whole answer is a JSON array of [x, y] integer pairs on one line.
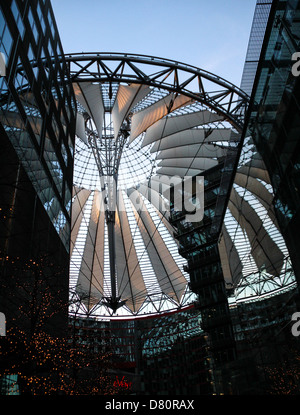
[[139, 130], [147, 265]]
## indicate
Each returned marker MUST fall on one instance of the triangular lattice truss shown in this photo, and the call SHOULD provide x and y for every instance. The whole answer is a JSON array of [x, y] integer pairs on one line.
[[142, 121]]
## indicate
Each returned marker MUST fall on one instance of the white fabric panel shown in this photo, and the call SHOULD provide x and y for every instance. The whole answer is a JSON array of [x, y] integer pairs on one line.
[[193, 163], [225, 262], [153, 196], [81, 98], [161, 185], [12, 118], [131, 284], [81, 196], [171, 280], [168, 226], [93, 103], [264, 250], [144, 118], [55, 208], [261, 193], [98, 260], [255, 172], [90, 278], [120, 258], [177, 171], [165, 180], [80, 127], [193, 136], [157, 185], [231, 263], [257, 162], [78, 204], [29, 100], [205, 150], [171, 125], [127, 97], [156, 200], [75, 189]]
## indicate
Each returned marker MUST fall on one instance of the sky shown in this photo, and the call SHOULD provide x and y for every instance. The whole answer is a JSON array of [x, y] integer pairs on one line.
[[209, 34]]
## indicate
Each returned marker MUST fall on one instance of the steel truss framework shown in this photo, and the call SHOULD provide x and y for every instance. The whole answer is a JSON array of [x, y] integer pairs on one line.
[[176, 79], [202, 86]]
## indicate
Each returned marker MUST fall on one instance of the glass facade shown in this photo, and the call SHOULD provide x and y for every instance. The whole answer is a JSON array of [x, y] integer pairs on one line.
[[275, 119], [198, 242], [38, 107], [259, 25], [37, 128], [154, 355], [174, 355], [266, 350]]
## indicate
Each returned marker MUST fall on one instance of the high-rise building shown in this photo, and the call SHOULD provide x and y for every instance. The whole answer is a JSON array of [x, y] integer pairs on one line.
[[266, 299], [274, 120], [256, 39], [259, 261], [37, 114]]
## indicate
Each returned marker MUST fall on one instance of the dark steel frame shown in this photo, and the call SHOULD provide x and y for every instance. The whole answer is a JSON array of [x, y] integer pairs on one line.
[[226, 99]]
